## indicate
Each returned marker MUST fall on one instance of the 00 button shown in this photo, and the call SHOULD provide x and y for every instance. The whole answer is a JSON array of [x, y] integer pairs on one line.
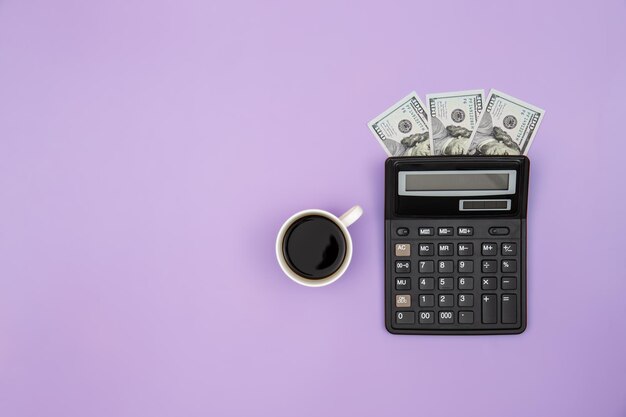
[[426, 317]]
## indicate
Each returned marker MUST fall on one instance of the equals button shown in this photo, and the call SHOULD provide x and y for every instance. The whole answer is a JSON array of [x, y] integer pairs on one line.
[[509, 308]]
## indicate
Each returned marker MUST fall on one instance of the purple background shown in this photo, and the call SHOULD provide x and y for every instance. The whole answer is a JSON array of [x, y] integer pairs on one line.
[[150, 150]]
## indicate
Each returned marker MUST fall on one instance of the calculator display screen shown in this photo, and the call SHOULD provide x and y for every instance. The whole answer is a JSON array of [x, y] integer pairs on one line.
[[452, 183]]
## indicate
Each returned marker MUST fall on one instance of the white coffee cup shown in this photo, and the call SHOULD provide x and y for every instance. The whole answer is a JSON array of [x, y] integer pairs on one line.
[[342, 222]]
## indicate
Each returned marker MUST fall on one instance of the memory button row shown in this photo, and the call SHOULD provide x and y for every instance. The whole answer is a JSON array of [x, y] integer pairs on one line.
[[445, 231], [443, 249]]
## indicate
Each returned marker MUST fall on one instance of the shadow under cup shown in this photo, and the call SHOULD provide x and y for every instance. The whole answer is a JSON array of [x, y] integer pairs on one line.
[[314, 247]]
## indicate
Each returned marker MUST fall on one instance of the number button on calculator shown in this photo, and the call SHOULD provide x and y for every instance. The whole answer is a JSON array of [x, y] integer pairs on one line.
[[466, 283], [466, 267], [405, 317], [427, 300], [446, 300], [446, 266], [446, 317], [445, 284], [427, 317], [466, 300], [426, 267], [427, 284]]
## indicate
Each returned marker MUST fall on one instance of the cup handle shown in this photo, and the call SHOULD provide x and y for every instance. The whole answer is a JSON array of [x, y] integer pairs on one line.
[[351, 216]]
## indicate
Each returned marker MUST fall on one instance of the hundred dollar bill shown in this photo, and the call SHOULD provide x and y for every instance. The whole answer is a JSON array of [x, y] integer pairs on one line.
[[452, 118], [506, 127], [402, 129]]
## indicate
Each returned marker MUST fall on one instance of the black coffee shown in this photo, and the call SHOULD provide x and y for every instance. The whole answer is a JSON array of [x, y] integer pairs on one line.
[[314, 247]]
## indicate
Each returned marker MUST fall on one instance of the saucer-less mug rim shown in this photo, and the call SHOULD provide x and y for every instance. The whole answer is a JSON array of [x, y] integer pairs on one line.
[[349, 217]]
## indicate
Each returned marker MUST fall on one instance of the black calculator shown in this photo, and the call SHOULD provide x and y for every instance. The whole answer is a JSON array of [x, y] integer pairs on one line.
[[455, 245]]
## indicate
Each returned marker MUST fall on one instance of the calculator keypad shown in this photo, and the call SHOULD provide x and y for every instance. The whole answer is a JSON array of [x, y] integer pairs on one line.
[[453, 276]]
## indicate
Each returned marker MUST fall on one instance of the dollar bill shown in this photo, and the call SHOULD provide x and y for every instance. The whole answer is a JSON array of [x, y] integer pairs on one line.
[[402, 129], [452, 118], [506, 127]]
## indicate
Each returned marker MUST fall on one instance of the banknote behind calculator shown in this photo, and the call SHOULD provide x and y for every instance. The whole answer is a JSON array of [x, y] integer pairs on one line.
[[458, 123]]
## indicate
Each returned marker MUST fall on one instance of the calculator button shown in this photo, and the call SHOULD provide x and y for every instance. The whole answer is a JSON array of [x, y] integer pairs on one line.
[[488, 283], [402, 231], [509, 249], [489, 266], [446, 317], [465, 249], [466, 300], [489, 309], [446, 249], [465, 231], [445, 266], [466, 267], [426, 231], [499, 231], [426, 249], [403, 300], [445, 231], [509, 283], [427, 267], [466, 317], [509, 308], [427, 300], [427, 284], [403, 283], [426, 317], [446, 300], [403, 249], [509, 265], [489, 249], [446, 284], [403, 266], [466, 283], [405, 317]]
